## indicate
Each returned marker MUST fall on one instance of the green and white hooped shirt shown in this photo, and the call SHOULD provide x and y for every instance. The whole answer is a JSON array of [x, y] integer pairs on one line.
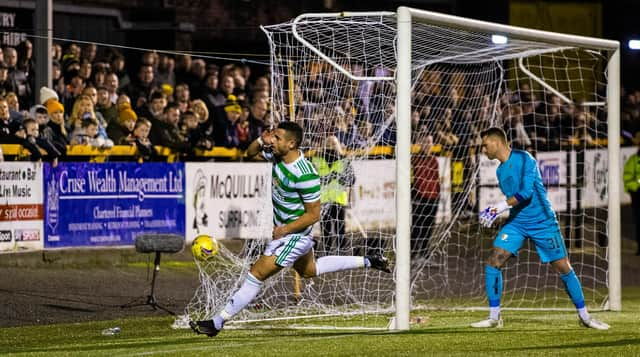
[[294, 185]]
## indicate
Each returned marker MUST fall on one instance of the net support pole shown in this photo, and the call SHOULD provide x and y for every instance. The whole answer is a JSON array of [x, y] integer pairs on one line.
[[613, 115], [403, 169], [42, 45]]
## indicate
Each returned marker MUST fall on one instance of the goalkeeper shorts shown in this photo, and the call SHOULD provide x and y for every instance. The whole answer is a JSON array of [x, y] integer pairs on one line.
[[289, 248], [546, 238]]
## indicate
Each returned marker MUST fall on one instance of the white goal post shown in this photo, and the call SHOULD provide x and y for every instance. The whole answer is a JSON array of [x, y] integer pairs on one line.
[[405, 17]]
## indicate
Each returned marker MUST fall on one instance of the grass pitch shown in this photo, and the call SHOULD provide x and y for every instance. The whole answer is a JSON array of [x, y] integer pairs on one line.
[[438, 333]]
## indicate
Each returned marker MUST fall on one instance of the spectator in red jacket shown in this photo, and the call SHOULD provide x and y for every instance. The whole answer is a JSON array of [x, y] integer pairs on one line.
[[425, 196]]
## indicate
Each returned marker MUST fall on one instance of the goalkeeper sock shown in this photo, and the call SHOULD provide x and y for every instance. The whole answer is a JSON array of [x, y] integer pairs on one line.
[[334, 263], [247, 292], [493, 286], [574, 290]]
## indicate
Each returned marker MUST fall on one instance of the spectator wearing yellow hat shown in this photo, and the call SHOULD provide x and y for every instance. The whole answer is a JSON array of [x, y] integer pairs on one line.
[[121, 132], [55, 126], [227, 134], [233, 106], [167, 90]]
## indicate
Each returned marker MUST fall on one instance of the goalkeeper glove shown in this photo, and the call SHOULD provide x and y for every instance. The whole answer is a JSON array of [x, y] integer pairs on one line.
[[489, 215]]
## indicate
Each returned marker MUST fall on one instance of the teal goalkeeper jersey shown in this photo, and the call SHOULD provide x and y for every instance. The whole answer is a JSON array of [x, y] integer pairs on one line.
[[294, 185], [520, 177]]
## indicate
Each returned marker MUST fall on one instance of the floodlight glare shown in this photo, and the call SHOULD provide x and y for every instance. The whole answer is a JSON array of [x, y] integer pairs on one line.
[[499, 39], [634, 44]]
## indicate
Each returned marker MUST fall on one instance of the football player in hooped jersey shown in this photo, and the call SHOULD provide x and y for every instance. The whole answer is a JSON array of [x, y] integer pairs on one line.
[[530, 216], [296, 207]]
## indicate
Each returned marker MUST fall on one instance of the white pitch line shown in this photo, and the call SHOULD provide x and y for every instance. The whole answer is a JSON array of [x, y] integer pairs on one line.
[[235, 344]]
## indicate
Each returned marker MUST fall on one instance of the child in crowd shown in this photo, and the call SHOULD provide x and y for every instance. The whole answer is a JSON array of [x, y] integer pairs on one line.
[[233, 111], [88, 135], [38, 147], [28, 130], [47, 139], [122, 132], [146, 151], [192, 131]]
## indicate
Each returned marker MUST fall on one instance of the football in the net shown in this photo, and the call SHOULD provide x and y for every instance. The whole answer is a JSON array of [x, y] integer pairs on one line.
[[204, 247]]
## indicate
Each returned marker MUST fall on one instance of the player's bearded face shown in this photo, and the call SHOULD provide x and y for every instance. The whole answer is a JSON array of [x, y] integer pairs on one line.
[[281, 142]]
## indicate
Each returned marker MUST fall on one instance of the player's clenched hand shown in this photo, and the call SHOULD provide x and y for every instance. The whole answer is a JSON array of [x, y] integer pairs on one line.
[[489, 215], [278, 232]]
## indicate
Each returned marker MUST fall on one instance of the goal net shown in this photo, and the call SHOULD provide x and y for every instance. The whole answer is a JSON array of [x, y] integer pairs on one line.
[[336, 75]]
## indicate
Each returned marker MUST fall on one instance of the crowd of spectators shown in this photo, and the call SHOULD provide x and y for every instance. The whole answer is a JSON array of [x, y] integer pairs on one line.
[[95, 99], [453, 106], [534, 120], [98, 99]]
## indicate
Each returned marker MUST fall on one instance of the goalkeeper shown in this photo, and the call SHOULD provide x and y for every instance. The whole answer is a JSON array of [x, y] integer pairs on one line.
[[530, 216], [296, 207]]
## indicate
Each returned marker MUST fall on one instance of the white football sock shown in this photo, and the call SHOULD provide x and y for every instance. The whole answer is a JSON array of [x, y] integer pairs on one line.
[[247, 292], [494, 313], [582, 312], [334, 263]]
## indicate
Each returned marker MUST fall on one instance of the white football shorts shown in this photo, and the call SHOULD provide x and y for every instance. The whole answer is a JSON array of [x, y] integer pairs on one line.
[[289, 248]]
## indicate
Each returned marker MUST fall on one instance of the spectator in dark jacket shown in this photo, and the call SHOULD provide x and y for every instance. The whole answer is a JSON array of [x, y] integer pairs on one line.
[[28, 131], [19, 76], [191, 130], [140, 90], [211, 95], [167, 133]]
